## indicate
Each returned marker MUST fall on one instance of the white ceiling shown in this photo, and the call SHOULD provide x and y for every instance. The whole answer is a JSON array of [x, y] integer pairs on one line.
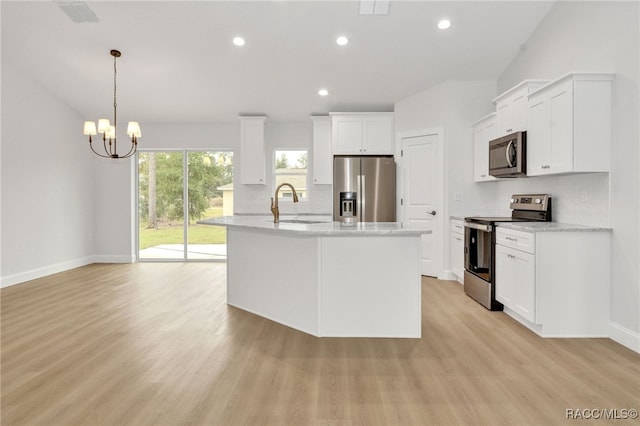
[[178, 63]]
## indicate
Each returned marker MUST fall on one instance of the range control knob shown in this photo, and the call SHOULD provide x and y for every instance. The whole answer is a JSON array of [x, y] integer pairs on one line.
[[514, 200], [538, 201]]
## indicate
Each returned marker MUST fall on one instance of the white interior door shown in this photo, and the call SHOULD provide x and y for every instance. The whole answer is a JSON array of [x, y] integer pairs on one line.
[[422, 195]]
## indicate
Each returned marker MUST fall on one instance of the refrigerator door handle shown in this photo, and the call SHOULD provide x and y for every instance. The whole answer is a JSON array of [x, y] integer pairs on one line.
[[363, 198], [359, 197]]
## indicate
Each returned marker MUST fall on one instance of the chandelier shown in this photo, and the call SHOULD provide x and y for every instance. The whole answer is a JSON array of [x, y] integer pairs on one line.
[[109, 131]]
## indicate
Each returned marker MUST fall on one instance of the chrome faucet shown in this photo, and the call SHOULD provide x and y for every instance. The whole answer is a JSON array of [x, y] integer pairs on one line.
[[274, 203]]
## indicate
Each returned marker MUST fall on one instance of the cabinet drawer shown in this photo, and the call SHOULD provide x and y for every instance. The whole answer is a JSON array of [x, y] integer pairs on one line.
[[524, 241], [457, 226]]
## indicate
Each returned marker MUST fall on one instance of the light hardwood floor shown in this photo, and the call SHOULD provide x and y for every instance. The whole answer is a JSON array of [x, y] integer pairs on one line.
[[155, 344]]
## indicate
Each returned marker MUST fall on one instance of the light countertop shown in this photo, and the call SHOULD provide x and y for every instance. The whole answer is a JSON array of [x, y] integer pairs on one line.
[[322, 228], [551, 227]]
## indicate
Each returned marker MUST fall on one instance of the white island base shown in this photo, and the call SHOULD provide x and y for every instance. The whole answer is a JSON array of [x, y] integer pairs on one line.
[[327, 284]]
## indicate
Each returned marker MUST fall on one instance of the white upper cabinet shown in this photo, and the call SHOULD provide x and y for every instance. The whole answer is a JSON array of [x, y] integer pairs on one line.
[[322, 158], [362, 133], [252, 159], [483, 131], [511, 107], [570, 125]]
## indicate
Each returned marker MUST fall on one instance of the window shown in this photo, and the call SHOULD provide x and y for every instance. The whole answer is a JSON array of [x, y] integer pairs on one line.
[[291, 167], [176, 189]]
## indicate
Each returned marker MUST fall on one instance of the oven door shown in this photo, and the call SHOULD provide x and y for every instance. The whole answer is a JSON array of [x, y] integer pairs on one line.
[[478, 244]]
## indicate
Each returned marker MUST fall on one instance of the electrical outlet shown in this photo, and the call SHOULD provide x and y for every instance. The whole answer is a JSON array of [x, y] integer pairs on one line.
[[457, 196]]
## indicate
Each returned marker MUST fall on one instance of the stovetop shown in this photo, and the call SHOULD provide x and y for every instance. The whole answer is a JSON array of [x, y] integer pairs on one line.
[[525, 208], [481, 219]]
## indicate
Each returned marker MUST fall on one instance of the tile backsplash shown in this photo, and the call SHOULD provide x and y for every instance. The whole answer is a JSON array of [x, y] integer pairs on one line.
[[581, 199]]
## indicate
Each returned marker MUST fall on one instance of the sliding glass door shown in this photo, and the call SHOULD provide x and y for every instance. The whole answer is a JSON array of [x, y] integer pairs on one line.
[[176, 189]]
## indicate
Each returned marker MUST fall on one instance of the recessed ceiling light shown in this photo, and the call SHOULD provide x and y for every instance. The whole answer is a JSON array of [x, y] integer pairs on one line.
[[444, 24], [342, 40], [238, 41], [323, 92]]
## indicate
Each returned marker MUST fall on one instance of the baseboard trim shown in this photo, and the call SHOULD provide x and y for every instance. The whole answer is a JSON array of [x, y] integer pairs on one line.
[[33, 274], [624, 336], [44, 271], [450, 276], [104, 258]]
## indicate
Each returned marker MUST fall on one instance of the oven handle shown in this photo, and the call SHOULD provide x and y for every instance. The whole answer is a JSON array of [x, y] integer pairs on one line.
[[481, 227]]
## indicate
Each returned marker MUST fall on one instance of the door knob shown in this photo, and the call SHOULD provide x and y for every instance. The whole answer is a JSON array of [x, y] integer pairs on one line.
[[432, 212]]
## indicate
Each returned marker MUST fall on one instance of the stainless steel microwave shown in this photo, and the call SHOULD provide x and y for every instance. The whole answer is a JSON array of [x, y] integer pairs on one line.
[[508, 155]]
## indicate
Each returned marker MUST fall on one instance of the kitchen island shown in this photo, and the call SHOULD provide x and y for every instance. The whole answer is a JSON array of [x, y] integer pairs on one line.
[[326, 278]]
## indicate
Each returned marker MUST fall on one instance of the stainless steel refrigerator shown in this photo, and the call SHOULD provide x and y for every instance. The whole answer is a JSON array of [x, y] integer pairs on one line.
[[364, 189]]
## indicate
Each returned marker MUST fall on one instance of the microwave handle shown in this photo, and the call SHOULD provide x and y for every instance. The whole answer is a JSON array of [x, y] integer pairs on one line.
[[507, 153]]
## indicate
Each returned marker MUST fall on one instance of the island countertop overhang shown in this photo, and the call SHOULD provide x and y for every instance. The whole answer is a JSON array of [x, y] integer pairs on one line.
[[337, 229]]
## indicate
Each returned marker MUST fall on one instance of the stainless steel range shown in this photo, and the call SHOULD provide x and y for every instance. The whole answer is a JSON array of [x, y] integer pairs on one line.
[[480, 240]]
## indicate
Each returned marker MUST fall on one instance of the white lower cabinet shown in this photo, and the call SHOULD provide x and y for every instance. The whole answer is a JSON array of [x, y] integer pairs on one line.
[[555, 282], [457, 248], [515, 271]]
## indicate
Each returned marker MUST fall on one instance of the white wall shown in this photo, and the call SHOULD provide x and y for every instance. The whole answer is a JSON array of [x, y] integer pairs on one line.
[[596, 36], [454, 105], [47, 183]]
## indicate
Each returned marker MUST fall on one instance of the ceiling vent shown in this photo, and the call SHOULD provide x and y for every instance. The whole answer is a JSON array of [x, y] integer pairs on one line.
[[78, 11], [374, 7]]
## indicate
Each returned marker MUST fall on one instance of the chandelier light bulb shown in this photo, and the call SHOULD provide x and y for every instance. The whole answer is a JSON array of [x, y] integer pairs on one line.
[[89, 128], [103, 125]]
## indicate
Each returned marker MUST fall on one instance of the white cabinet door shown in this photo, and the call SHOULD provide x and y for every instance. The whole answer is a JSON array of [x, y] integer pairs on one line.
[[525, 288], [377, 135], [511, 107], [346, 135], [362, 134], [252, 156], [457, 254], [561, 126], [516, 281], [505, 276], [518, 114], [570, 126], [503, 118], [322, 158], [538, 137], [483, 132]]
